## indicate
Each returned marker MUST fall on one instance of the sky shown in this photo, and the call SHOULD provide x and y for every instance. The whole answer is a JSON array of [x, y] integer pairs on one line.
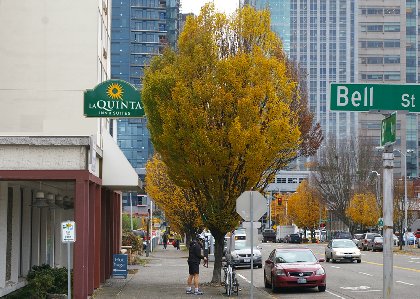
[[226, 6]]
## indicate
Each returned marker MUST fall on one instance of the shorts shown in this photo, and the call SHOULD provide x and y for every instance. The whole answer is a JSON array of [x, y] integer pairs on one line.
[[193, 268]]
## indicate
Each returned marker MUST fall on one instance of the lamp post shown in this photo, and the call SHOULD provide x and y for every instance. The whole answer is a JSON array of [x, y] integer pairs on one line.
[[378, 196], [405, 191]]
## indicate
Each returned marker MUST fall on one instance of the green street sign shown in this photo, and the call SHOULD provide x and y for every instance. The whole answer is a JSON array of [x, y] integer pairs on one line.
[[371, 97], [389, 130], [380, 222], [113, 98]]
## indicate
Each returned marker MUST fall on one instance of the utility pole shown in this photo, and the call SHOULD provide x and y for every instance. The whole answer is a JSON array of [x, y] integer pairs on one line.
[[388, 213]]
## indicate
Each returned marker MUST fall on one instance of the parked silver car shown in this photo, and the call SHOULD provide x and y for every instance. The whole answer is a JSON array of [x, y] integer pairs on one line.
[[363, 242], [376, 244], [241, 256]]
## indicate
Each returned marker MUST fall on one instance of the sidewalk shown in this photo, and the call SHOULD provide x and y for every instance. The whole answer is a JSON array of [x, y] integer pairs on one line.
[[165, 276]]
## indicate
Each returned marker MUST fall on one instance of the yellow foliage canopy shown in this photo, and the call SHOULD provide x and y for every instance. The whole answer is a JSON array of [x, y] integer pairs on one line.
[[219, 110], [305, 208], [181, 212], [363, 209]]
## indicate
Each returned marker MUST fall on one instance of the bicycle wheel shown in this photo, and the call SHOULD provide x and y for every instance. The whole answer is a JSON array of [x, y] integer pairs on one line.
[[230, 288], [235, 285], [227, 282]]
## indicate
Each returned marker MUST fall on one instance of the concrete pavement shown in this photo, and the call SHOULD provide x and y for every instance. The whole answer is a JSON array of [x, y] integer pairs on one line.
[[164, 276]]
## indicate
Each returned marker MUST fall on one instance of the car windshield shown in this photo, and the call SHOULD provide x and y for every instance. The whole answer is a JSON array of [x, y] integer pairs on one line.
[[343, 244], [295, 256], [240, 245]]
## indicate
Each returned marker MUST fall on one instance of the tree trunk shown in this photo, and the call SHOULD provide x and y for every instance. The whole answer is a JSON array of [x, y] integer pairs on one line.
[[218, 253]]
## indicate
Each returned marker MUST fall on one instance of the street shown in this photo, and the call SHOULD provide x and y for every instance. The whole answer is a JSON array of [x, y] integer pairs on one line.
[[348, 280]]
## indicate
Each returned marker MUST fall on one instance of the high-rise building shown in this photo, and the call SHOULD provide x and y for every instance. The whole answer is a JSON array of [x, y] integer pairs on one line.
[[280, 18], [320, 36], [388, 54], [141, 29]]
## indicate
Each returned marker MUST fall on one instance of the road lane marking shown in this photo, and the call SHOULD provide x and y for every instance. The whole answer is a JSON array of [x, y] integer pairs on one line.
[[243, 277], [337, 267], [331, 293], [399, 281], [365, 273], [396, 267]]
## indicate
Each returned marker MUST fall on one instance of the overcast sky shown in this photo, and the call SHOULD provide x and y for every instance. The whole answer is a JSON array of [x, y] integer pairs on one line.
[[226, 6]]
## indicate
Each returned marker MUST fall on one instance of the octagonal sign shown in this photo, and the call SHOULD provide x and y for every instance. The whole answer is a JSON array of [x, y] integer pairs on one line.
[[243, 205]]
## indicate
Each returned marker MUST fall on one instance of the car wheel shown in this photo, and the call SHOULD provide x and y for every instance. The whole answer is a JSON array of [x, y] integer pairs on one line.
[[266, 284], [359, 261], [322, 288], [273, 288]]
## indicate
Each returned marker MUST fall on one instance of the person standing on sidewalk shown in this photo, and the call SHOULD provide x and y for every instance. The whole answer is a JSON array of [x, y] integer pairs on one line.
[[194, 258], [165, 240]]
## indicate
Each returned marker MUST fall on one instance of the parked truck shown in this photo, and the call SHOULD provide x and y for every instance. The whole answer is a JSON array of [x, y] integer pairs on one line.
[[269, 234], [284, 230]]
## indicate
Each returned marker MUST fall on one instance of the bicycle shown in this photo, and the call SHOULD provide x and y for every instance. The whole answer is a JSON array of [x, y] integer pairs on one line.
[[230, 281]]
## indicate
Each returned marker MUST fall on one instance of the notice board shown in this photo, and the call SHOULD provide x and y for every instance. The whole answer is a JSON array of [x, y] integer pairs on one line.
[[119, 265]]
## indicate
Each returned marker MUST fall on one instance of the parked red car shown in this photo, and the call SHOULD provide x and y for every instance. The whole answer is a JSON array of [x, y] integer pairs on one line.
[[294, 267]]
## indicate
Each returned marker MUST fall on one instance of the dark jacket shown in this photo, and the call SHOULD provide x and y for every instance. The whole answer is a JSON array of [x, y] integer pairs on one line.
[[194, 255]]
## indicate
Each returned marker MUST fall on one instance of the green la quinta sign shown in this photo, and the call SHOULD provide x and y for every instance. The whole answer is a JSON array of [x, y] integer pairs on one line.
[[113, 98]]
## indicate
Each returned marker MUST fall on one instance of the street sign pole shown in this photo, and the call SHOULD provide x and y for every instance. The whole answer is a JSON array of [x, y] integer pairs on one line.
[[68, 235], [252, 244], [251, 205], [388, 164]]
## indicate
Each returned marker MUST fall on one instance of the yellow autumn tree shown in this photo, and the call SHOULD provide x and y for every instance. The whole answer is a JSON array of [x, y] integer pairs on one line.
[[305, 208], [180, 211], [225, 113], [363, 209]]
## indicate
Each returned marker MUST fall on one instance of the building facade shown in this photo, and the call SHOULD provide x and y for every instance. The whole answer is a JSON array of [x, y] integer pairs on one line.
[[280, 18], [388, 54], [55, 164]]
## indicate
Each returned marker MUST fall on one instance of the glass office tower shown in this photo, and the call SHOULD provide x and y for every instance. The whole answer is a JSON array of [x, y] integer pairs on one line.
[[141, 29], [280, 18]]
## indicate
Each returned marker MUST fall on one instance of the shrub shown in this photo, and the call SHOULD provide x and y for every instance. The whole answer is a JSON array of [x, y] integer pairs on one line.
[[130, 239], [44, 279]]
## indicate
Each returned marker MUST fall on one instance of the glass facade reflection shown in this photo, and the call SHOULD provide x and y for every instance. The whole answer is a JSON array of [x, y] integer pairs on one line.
[[141, 29]]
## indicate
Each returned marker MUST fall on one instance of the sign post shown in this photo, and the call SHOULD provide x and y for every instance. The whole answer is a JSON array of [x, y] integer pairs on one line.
[[68, 235], [380, 98], [250, 205]]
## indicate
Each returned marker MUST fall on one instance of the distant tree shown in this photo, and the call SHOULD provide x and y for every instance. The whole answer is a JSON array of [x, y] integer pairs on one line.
[[126, 222], [181, 212], [226, 112], [399, 201], [343, 169], [305, 207], [363, 209]]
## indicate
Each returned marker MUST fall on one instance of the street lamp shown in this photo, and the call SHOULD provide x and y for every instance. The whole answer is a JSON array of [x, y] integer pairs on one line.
[[378, 197], [405, 190]]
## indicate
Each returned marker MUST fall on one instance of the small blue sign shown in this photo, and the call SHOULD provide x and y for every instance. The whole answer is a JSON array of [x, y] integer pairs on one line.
[[119, 265]]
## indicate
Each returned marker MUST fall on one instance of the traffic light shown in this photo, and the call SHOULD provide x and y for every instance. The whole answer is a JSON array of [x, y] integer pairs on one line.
[[279, 199]]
